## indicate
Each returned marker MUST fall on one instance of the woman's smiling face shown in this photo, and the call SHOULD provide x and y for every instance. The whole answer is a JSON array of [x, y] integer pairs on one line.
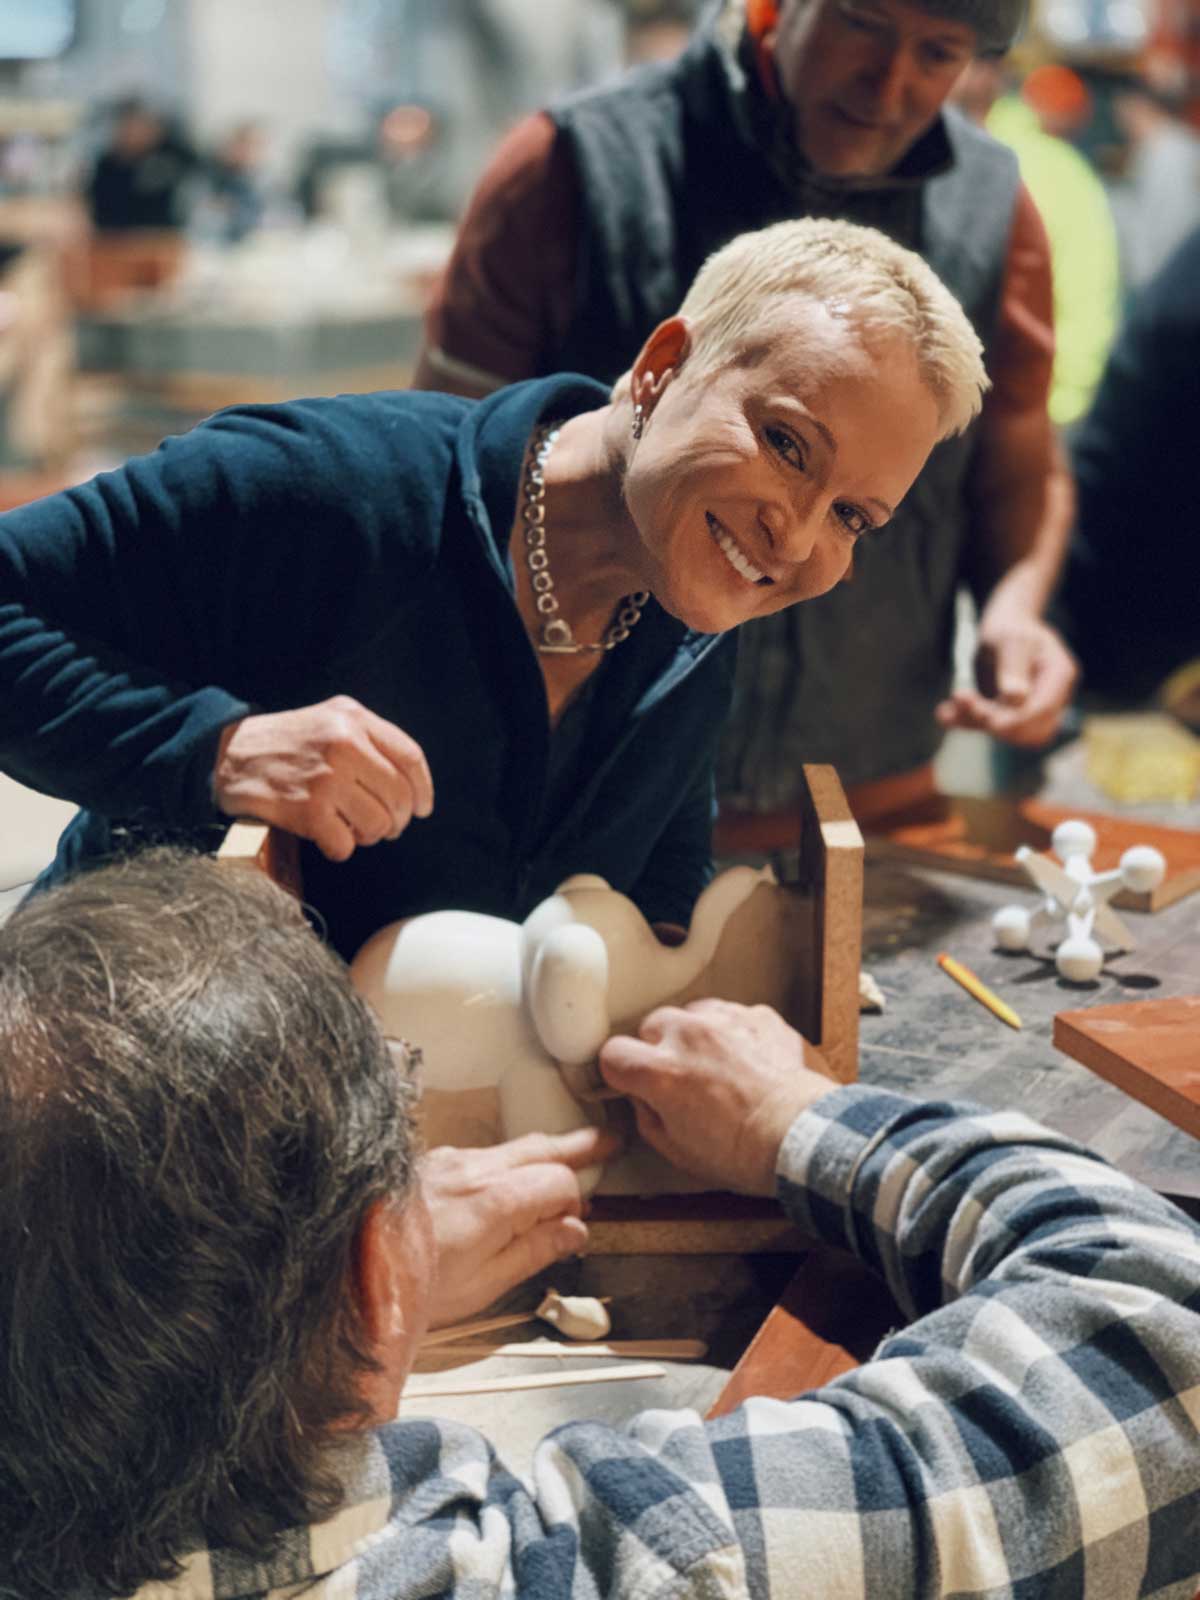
[[755, 478]]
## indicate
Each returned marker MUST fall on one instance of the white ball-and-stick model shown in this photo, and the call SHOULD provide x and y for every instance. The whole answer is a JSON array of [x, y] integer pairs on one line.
[[1076, 898]]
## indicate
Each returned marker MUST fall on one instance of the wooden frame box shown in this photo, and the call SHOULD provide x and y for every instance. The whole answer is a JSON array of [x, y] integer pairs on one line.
[[795, 946]]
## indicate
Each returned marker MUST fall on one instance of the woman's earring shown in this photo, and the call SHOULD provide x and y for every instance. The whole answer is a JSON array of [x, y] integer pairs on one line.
[[639, 420]]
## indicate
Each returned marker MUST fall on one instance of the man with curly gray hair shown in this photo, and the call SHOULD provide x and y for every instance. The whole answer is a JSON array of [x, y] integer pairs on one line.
[[207, 1152]]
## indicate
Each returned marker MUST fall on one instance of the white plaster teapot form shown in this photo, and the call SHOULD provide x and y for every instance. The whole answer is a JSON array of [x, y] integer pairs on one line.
[[520, 1010]]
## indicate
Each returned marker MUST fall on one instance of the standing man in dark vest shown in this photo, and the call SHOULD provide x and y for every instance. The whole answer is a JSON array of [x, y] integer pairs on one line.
[[593, 217]]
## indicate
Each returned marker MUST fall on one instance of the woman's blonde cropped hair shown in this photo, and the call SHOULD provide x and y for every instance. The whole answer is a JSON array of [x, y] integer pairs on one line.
[[884, 290]]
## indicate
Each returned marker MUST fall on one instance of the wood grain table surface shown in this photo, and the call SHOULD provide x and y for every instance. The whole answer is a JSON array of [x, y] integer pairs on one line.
[[935, 1041]]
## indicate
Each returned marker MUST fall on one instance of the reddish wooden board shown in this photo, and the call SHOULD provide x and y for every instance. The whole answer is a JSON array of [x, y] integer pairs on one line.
[[1149, 1048], [829, 1320], [978, 837]]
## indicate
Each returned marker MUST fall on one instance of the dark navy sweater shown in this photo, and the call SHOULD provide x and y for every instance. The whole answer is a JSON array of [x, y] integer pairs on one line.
[[275, 556]]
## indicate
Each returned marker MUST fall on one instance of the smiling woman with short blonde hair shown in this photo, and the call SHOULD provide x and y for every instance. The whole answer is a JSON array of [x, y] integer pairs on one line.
[[483, 638], [882, 289]]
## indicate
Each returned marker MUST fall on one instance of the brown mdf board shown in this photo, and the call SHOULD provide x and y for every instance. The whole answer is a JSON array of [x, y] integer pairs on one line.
[[708, 1223], [1149, 1048], [796, 947], [770, 953], [978, 837], [829, 1320], [831, 865], [268, 850]]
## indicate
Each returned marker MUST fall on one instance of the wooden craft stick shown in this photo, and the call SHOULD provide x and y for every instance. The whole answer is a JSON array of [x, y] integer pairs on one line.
[[468, 1330], [626, 1373], [650, 1349], [974, 986]]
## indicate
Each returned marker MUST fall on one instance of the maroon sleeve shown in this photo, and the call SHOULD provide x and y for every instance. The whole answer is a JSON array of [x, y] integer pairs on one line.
[[1022, 353], [505, 298]]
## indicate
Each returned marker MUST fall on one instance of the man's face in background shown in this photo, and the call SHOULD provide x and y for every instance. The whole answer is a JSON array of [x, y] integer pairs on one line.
[[865, 78]]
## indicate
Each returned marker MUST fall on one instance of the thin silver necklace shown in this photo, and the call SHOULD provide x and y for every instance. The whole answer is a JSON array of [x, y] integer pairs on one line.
[[556, 638]]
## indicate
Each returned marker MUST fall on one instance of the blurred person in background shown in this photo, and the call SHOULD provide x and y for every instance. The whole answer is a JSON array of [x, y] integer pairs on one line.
[[590, 218], [1036, 124], [411, 147], [139, 199], [404, 160], [487, 62], [143, 175], [1130, 600], [235, 188], [1158, 202]]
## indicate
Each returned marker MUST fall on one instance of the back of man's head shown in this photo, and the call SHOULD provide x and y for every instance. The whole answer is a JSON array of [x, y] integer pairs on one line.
[[195, 1113]]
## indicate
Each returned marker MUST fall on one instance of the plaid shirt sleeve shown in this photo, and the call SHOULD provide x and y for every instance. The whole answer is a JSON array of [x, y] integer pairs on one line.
[[1034, 1433]]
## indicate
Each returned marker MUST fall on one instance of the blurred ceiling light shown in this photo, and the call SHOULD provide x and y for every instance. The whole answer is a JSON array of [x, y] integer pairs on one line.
[[1066, 22], [1127, 22], [1071, 23]]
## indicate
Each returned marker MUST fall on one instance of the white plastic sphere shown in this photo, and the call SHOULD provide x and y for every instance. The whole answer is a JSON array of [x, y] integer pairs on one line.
[[1143, 868], [1079, 959], [1073, 838], [1010, 925]]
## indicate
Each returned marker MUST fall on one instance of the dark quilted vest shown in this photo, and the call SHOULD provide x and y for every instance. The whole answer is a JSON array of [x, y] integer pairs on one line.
[[669, 170]]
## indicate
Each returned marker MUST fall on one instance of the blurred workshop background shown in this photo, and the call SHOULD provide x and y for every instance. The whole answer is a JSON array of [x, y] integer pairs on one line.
[[208, 201]]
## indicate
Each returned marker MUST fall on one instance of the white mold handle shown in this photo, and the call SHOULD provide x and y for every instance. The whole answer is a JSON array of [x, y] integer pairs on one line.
[[568, 993]]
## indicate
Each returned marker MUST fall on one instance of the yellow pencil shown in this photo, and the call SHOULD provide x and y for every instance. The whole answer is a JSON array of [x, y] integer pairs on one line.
[[982, 993]]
